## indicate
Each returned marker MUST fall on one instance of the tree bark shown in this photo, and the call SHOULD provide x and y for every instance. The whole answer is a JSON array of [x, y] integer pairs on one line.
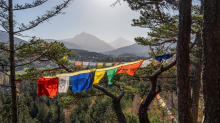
[[183, 82], [196, 85], [12, 65], [211, 60], [118, 111]]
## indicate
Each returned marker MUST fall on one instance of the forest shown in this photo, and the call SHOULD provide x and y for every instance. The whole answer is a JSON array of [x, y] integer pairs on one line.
[[184, 90]]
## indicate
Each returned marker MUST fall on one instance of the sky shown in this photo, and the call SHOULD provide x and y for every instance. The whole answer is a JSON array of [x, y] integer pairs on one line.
[[95, 17]]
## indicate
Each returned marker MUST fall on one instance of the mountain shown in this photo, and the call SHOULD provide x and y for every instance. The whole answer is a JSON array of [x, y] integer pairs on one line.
[[4, 37], [136, 49], [120, 42], [67, 44], [90, 43]]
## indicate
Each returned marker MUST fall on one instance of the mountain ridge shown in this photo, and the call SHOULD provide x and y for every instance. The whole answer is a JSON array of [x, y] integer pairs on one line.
[[90, 42]]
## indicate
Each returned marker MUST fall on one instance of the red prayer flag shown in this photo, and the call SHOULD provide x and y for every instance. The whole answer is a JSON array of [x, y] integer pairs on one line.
[[172, 116], [116, 63], [156, 62], [78, 64], [130, 69], [158, 96], [47, 86], [189, 65]]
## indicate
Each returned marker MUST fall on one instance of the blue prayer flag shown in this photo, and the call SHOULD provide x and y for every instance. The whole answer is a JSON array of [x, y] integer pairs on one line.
[[82, 82], [167, 108], [165, 57]]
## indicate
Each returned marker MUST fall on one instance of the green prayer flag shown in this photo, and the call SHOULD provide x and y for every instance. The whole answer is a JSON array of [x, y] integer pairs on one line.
[[160, 100], [175, 120], [111, 75]]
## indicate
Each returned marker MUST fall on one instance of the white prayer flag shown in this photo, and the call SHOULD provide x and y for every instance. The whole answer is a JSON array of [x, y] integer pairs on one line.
[[63, 84], [145, 63]]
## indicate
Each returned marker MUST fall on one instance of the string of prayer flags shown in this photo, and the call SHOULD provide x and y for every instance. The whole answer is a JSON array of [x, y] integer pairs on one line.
[[164, 105], [64, 82], [47, 86], [85, 64], [146, 62], [116, 63], [100, 64], [82, 81], [165, 57], [78, 64], [92, 65], [108, 64], [129, 68]]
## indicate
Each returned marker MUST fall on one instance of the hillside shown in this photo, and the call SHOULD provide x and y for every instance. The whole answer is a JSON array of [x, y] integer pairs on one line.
[[90, 43], [135, 49]]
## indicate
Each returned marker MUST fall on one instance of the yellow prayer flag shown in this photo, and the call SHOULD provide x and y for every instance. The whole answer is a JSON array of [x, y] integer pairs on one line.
[[163, 104], [100, 64], [98, 76], [65, 57]]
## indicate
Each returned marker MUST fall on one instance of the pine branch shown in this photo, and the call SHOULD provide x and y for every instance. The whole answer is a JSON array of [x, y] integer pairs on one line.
[[28, 6], [31, 61]]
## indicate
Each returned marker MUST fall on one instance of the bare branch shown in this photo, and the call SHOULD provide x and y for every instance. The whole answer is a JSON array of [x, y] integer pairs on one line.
[[105, 91], [122, 93]]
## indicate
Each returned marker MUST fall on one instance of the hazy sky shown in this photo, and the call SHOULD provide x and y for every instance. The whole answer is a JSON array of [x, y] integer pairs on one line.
[[95, 17]]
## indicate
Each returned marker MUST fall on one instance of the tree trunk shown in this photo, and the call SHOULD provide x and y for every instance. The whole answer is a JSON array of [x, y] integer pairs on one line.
[[12, 64], [183, 82], [196, 85], [118, 111], [211, 60]]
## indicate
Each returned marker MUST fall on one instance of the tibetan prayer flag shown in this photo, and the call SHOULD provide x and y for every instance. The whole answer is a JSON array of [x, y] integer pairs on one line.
[[82, 81], [129, 68], [163, 104], [92, 65], [159, 58], [156, 62], [160, 100], [111, 75], [47, 86], [165, 57], [169, 112], [175, 120], [166, 108], [116, 63], [78, 64], [108, 64], [85, 64], [98, 76], [100, 64], [172, 116], [146, 62], [64, 82], [189, 65], [158, 96]]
